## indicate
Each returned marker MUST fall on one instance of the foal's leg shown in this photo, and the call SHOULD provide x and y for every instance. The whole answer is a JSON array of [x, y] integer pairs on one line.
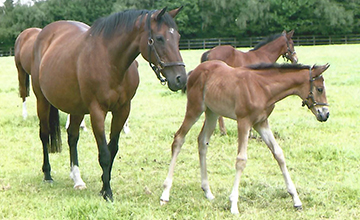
[[222, 126], [241, 159], [193, 112], [73, 137], [203, 143], [268, 137]]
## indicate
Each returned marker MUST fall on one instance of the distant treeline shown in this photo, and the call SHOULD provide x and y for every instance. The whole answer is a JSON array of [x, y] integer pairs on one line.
[[199, 19]]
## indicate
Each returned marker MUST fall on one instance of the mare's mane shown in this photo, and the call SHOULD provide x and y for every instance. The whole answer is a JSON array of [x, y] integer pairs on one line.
[[266, 41], [125, 21], [264, 66]]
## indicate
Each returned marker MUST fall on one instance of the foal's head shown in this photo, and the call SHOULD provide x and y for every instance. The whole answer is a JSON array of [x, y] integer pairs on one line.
[[160, 46], [290, 53], [316, 99]]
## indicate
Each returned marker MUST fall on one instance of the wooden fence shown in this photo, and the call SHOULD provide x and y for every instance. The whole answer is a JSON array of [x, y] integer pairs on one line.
[[208, 43]]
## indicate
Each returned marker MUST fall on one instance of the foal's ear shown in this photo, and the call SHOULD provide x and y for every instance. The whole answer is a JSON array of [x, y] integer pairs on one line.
[[290, 34], [321, 69], [174, 12]]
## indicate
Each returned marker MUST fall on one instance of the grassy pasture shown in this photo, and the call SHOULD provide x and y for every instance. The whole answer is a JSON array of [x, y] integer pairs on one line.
[[323, 158]]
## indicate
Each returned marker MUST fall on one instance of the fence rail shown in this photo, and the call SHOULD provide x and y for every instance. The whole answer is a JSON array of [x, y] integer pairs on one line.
[[208, 43]]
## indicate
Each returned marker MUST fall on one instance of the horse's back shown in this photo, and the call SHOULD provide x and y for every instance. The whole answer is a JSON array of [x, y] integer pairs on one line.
[[228, 54], [24, 48], [58, 34]]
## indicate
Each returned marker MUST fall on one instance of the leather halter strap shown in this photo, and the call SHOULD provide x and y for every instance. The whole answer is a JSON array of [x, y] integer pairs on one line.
[[311, 94], [161, 64], [288, 53]]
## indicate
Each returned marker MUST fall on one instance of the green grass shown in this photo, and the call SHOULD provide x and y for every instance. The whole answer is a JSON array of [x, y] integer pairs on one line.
[[323, 158]]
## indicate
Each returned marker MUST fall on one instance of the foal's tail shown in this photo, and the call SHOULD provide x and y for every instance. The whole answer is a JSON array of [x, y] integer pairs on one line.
[[55, 133], [205, 56], [184, 89]]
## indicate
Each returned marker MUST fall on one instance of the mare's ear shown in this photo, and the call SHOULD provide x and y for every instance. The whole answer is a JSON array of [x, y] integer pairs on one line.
[[174, 12], [158, 14]]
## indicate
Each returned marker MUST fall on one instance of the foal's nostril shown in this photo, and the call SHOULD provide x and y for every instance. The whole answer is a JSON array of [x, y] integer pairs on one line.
[[328, 115]]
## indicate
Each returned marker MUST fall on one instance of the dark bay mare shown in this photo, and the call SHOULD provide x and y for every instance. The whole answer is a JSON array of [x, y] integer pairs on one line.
[[23, 51], [266, 51], [247, 95], [87, 70]]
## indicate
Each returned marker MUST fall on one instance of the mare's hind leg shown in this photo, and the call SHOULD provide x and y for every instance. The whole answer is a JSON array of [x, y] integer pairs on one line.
[[203, 143], [43, 111], [194, 109], [268, 137], [73, 137]]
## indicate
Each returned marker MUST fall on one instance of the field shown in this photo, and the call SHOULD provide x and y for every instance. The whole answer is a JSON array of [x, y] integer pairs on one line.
[[323, 158]]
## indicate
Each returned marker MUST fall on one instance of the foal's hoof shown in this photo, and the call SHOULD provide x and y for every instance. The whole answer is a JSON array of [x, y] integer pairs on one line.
[[298, 208], [80, 187], [163, 202]]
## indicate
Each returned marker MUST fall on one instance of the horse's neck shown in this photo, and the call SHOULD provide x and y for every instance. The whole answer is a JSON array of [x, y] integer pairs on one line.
[[123, 50], [272, 50], [280, 85]]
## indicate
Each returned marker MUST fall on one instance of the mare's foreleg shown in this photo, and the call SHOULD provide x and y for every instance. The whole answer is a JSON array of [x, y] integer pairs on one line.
[[203, 143], [117, 123], [241, 159], [73, 137], [269, 139], [97, 117]]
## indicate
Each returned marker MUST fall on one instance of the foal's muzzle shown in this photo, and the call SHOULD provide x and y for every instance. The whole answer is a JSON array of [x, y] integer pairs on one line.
[[322, 113]]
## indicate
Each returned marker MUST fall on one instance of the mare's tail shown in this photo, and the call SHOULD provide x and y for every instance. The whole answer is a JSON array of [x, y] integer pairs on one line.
[[205, 56], [55, 133], [184, 89], [24, 82]]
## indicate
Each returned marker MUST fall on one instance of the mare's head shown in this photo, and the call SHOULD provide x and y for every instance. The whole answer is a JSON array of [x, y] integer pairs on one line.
[[290, 53], [315, 99], [160, 47]]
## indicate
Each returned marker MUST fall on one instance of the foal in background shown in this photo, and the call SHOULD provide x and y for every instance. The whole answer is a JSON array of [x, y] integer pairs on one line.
[[266, 51], [247, 95]]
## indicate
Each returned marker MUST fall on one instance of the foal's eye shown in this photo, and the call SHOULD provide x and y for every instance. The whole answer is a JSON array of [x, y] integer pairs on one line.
[[320, 90], [160, 39]]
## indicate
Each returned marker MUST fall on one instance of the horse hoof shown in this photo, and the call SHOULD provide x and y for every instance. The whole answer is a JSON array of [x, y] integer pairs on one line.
[[107, 196], [163, 202], [48, 181], [298, 208], [80, 187]]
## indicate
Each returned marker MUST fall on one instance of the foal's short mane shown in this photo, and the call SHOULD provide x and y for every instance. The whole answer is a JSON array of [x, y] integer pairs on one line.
[[125, 21], [266, 41], [262, 66]]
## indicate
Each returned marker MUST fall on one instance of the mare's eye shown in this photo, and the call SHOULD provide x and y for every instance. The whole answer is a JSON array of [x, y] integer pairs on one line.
[[160, 39], [320, 90]]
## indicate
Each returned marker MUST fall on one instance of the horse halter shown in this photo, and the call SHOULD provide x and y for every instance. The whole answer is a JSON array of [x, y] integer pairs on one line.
[[311, 94], [161, 64], [288, 54]]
